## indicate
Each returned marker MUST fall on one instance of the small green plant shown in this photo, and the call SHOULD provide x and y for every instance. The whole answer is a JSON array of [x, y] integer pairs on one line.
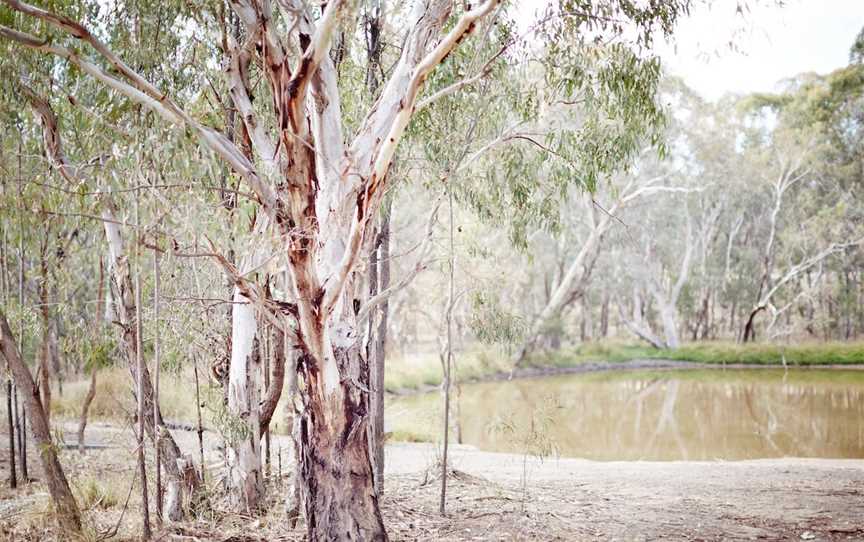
[[532, 439]]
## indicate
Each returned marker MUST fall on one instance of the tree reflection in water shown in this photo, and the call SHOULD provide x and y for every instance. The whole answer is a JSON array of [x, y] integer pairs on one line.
[[671, 415]]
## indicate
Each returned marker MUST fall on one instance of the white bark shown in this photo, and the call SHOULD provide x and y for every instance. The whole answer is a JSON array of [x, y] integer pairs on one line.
[[243, 452], [637, 324], [667, 301]]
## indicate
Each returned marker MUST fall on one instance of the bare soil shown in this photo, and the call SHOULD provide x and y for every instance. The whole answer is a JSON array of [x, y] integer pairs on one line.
[[491, 496]]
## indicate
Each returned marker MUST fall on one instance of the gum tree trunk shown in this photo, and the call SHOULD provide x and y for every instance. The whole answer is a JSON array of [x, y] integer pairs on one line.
[[379, 354], [13, 477], [97, 328], [45, 352], [335, 466], [67, 510], [85, 409], [123, 296]]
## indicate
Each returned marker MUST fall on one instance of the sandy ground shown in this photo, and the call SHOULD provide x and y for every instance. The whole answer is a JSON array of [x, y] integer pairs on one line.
[[496, 497]]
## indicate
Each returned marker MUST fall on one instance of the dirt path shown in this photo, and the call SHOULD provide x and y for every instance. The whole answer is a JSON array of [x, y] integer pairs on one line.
[[769, 499], [561, 499]]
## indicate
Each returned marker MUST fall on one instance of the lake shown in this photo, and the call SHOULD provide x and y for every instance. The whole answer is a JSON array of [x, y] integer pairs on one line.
[[655, 415]]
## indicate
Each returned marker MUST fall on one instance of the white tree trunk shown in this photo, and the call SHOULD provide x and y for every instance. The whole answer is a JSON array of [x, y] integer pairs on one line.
[[669, 317], [575, 277], [244, 438]]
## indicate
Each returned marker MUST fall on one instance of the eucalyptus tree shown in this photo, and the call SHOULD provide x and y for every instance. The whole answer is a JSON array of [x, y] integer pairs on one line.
[[806, 154], [68, 513], [125, 304], [663, 276], [315, 192], [575, 272]]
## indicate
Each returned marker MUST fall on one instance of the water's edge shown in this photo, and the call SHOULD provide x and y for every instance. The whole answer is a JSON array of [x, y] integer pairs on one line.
[[630, 365]]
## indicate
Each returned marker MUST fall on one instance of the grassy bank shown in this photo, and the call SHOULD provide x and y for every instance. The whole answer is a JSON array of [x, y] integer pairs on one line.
[[834, 353], [415, 372]]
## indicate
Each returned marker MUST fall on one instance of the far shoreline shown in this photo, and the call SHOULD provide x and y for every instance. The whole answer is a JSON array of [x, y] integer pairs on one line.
[[652, 364]]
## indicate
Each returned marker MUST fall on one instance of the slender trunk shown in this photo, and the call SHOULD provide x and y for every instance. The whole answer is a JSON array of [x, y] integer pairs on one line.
[[13, 477], [21, 415], [45, 353], [5, 283], [457, 404], [65, 506], [276, 382], [732, 311], [372, 355], [157, 363], [265, 428], [200, 429], [749, 333], [709, 315], [181, 477], [847, 286], [16, 415], [97, 328], [701, 319], [379, 277], [604, 317], [293, 499], [57, 362], [139, 359], [668, 315], [85, 409], [447, 360], [21, 419]]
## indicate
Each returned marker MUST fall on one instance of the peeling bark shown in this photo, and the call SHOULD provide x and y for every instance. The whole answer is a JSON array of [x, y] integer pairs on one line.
[[337, 491]]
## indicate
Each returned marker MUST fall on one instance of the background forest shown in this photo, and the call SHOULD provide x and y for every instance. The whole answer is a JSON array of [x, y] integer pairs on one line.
[[555, 199]]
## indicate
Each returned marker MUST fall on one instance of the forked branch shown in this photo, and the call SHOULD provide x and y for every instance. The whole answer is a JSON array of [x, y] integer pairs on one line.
[[372, 185]]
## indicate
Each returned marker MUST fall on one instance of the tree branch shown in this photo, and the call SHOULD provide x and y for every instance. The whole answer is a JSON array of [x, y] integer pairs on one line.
[[372, 184], [150, 98], [463, 27], [50, 134], [271, 309], [78, 31]]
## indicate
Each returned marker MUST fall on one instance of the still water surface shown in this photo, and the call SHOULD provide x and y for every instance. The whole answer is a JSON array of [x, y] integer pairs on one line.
[[658, 415]]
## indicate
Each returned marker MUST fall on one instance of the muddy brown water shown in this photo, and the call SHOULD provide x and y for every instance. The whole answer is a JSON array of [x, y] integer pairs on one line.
[[699, 414]]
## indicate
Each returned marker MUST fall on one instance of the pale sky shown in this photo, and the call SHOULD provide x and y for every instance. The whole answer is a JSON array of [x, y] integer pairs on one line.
[[774, 42]]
